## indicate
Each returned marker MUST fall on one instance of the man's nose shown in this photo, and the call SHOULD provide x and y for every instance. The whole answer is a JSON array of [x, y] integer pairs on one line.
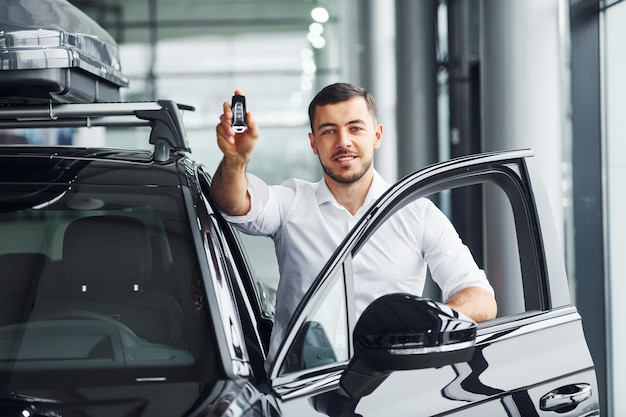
[[343, 139]]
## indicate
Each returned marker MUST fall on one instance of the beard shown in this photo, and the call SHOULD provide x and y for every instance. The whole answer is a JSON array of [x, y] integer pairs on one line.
[[347, 178]]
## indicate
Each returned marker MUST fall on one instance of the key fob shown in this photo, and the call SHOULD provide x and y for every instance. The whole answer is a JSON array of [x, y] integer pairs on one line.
[[239, 114]]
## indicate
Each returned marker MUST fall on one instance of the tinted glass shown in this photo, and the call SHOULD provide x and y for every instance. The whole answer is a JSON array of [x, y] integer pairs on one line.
[[323, 339], [97, 304]]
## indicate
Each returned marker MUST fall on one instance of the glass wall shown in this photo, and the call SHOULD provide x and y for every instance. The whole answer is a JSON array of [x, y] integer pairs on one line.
[[198, 52], [203, 71], [614, 60]]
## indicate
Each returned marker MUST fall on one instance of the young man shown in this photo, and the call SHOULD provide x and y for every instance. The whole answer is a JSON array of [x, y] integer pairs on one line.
[[308, 220]]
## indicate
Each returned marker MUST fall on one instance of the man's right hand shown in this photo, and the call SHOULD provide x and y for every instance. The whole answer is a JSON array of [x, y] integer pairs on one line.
[[236, 147], [229, 187]]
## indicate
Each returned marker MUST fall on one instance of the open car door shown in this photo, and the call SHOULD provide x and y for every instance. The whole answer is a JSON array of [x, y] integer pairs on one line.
[[409, 354]]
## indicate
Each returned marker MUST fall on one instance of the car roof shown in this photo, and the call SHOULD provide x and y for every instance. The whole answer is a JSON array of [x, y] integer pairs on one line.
[[65, 164], [96, 166]]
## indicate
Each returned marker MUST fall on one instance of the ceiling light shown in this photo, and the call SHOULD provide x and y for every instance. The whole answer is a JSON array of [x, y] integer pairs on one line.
[[320, 14], [317, 41], [316, 28]]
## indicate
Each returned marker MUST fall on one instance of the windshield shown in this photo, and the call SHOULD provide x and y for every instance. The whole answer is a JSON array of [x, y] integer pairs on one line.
[[97, 305]]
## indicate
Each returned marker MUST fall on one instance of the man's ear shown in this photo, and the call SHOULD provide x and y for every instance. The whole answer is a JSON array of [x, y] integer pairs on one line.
[[312, 143], [379, 136]]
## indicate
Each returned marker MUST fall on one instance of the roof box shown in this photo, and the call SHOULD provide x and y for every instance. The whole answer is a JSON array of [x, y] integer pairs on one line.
[[52, 51]]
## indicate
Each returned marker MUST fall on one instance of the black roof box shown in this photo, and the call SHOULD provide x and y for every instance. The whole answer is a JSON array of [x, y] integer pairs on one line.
[[52, 51]]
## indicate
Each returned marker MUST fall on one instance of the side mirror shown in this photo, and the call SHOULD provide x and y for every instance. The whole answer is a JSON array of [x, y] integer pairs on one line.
[[401, 332]]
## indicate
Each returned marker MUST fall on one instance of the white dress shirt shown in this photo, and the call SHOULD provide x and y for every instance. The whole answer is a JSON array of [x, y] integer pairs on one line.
[[307, 224]]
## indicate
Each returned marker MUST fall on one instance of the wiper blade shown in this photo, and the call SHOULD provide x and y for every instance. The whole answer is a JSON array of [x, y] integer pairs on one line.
[[20, 405]]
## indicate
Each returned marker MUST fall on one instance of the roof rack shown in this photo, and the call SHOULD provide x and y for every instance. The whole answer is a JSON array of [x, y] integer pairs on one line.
[[164, 116]]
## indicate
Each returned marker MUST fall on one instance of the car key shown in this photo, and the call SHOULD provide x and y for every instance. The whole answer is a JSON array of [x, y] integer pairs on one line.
[[239, 114]]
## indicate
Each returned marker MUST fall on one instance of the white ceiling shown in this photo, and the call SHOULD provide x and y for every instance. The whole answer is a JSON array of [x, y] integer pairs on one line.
[[128, 21]]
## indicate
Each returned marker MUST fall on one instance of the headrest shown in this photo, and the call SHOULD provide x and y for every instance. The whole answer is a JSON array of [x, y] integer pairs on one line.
[[107, 251]]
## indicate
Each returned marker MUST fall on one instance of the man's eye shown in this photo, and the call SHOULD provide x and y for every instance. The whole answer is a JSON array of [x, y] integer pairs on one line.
[[328, 132]]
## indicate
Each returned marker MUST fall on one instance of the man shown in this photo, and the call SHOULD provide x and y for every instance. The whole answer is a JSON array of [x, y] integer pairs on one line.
[[308, 220]]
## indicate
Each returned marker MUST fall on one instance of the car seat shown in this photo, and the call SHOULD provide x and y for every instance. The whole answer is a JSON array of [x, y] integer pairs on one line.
[[107, 260]]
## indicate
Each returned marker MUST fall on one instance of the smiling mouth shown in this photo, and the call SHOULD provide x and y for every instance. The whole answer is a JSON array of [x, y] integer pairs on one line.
[[345, 158]]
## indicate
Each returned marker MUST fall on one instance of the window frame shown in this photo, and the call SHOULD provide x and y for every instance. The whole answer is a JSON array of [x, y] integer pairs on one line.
[[508, 170]]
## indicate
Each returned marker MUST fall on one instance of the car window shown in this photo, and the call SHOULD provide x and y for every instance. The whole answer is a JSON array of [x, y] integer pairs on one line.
[[323, 338], [97, 283], [501, 261], [493, 245], [261, 257]]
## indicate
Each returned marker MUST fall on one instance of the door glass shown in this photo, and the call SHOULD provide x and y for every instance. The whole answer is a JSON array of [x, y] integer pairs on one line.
[[323, 338], [418, 243], [263, 264]]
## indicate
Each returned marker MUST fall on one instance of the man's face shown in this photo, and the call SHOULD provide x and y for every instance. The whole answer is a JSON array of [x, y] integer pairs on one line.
[[344, 137]]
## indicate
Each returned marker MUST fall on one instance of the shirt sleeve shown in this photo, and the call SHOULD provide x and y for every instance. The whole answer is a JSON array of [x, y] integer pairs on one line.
[[259, 195], [449, 260], [265, 215]]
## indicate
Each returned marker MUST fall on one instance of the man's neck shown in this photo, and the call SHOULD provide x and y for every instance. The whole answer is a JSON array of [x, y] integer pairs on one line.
[[351, 195]]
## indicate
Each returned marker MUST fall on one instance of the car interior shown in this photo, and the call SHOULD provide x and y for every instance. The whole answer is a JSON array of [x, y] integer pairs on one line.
[[94, 289]]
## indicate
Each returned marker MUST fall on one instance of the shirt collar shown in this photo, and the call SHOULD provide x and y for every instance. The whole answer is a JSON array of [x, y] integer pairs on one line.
[[378, 187]]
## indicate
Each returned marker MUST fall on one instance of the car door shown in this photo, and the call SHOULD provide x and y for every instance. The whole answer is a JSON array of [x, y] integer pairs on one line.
[[532, 360]]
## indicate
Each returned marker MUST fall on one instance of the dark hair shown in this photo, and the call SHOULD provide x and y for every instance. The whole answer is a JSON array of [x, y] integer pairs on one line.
[[337, 93]]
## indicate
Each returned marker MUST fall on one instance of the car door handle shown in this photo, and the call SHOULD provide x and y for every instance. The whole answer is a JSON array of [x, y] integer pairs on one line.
[[565, 398]]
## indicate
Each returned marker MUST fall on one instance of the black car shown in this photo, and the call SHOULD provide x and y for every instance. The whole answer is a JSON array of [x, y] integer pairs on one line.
[[123, 292]]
